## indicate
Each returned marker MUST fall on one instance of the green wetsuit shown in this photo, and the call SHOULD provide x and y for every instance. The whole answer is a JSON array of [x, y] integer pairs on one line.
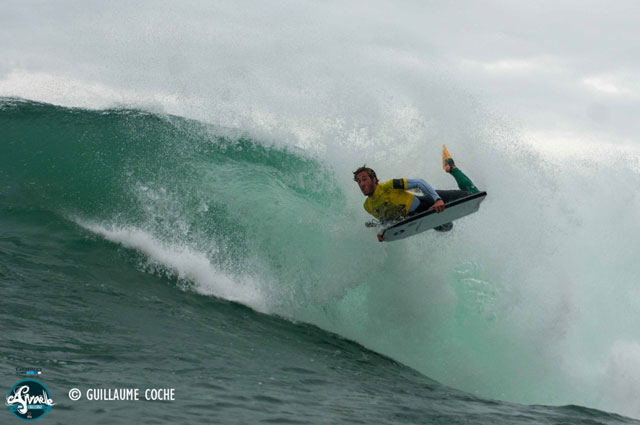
[[464, 182]]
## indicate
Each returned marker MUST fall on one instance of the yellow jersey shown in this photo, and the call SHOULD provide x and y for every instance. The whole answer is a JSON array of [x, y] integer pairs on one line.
[[390, 200]]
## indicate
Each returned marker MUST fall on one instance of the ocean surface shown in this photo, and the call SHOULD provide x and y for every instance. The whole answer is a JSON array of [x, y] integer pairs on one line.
[[144, 250]]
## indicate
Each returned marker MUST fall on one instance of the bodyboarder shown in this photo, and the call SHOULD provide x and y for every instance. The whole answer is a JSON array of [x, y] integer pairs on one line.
[[390, 200]]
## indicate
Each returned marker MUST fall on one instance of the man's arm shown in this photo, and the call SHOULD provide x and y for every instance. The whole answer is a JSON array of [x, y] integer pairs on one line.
[[424, 187]]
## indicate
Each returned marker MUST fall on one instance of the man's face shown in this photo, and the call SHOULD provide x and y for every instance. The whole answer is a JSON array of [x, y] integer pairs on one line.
[[367, 185]]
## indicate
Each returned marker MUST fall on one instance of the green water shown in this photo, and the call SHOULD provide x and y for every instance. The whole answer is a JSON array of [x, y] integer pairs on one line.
[[146, 251]]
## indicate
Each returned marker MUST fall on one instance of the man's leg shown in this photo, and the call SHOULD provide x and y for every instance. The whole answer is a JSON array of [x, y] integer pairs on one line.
[[451, 195], [464, 182]]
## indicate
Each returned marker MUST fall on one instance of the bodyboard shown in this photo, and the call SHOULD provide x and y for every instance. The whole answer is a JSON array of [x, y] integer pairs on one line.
[[429, 219]]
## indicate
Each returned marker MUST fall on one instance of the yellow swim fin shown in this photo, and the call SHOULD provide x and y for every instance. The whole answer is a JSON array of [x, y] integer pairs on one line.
[[445, 156]]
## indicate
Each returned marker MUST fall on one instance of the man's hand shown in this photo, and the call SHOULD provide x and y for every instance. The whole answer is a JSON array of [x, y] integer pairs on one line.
[[380, 237], [438, 206]]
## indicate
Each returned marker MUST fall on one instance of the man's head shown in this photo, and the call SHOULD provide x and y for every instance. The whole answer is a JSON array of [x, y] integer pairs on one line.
[[366, 179]]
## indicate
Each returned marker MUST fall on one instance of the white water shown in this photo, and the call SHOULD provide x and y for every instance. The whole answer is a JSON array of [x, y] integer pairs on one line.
[[191, 267], [534, 299]]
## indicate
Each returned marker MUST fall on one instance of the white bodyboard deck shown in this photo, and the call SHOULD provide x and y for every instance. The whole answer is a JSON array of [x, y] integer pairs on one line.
[[430, 219]]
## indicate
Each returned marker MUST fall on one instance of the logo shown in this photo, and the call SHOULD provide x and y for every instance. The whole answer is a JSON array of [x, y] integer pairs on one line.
[[29, 400], [28, 371]]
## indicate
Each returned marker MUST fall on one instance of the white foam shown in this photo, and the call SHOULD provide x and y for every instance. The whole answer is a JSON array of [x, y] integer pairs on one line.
[[186, 263]]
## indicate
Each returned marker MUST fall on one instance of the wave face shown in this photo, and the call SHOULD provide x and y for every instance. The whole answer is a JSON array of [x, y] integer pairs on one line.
[[531, 300], [199, 203]]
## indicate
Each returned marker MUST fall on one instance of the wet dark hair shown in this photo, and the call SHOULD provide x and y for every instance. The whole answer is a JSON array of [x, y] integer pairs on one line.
[[370, 172]]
